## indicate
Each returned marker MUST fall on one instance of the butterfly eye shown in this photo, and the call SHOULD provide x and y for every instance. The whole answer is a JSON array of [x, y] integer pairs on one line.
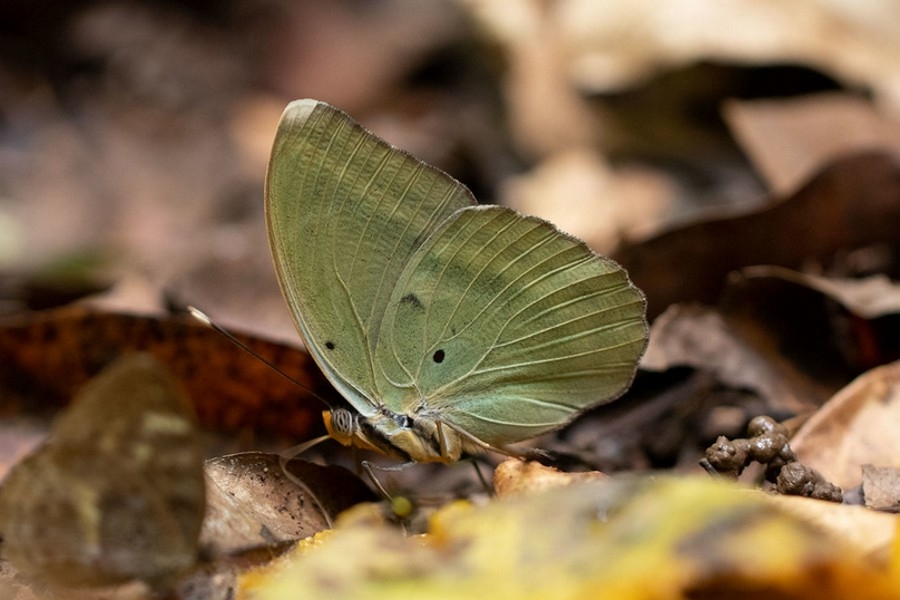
[[402, 421], [342, 422]]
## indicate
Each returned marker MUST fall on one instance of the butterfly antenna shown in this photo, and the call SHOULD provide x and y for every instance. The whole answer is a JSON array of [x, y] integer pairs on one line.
[[204, 318]]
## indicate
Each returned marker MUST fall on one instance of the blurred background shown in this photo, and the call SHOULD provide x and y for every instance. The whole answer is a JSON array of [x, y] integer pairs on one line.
[[134, 134]]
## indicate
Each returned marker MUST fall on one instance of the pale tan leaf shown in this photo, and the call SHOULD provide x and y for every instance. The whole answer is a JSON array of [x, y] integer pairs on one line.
[[857, 426]]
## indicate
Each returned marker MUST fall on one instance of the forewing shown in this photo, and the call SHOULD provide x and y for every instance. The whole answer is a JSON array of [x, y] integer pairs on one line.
[[507, 327], [345, 213]]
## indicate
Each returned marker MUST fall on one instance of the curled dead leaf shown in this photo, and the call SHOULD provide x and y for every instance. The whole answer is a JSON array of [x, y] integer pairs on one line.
[[51, 353], [857, 426], [692, 263], [252, 503]]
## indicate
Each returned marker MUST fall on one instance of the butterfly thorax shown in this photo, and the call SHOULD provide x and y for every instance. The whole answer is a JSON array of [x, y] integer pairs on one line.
[[420, 437]]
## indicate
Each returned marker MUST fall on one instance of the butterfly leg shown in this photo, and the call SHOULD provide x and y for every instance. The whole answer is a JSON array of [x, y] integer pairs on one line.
[[481, 477], [370, 469]]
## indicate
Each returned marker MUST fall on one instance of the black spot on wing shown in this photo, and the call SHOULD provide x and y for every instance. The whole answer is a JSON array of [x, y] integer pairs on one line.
[[438, 356], [329, 344], [412, 300]]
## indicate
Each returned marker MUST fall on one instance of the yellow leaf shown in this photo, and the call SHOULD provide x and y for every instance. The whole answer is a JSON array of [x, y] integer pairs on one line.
[[631, 539]]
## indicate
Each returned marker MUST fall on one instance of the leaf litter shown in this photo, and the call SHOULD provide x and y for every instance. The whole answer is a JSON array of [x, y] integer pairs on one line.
[[781, 304]]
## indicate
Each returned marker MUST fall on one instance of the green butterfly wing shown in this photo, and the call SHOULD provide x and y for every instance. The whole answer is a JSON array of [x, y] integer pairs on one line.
[[345, 212], [508, 327], [412, 298]]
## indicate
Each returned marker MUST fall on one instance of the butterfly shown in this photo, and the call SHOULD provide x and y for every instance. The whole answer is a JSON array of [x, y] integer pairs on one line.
[[117, 492], [450, 328]]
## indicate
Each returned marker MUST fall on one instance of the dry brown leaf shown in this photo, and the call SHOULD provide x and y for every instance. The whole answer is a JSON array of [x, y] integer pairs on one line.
[[705, 339], [51, 353], [582, 195], [881, 487], [869, 297], [790, 322], [789, 140], [616, 43], [251, 503], [853, 203], [351, 56], [546, 113], [836, 328], [513, 477], [869, 532], [857, 426]]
